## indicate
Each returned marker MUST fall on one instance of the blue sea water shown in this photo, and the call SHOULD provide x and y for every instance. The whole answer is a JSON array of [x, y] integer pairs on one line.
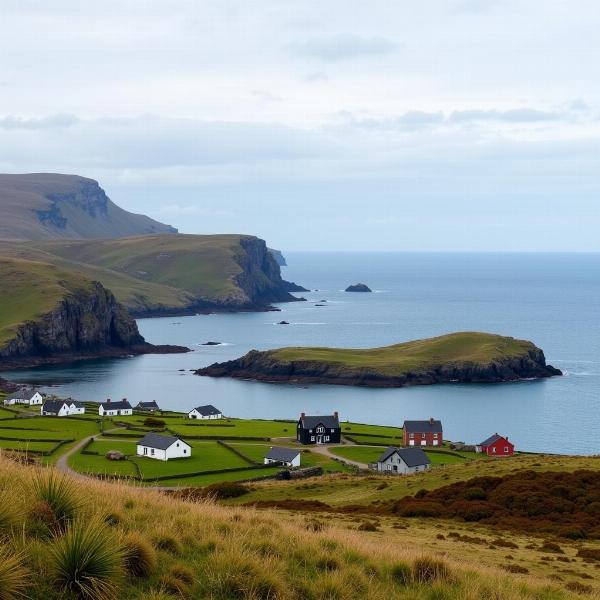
[[551, 299]]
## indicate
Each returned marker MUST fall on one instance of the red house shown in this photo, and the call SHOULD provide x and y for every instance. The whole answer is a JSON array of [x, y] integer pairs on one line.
[[496, 445], [423, 433]]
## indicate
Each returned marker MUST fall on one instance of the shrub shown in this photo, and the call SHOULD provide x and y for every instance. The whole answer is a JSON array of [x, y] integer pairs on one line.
[[13, 576], [428, 570], [589, 553], [87, 561], [551, 547], [224, 490], [8, 514], [516, 569], [168, 543], [140, 556], [60, 496], [474, 493], [314, 525], [401, 573], [578, 587], [173, 585], [183, 573], [368, 526], [154, 422]]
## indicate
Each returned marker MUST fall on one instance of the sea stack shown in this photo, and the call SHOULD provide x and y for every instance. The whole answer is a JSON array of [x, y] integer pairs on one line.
[[358, 287]]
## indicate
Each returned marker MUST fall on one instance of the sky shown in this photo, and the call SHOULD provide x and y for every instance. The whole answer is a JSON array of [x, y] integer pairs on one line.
[[459, 125]]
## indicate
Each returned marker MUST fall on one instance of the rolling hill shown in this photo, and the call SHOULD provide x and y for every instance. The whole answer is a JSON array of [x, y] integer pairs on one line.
[[44, 206]]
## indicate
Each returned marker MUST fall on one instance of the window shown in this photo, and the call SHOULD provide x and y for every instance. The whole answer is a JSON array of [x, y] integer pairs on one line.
[[333, 431], [184, 451], [494, 450], [326, 438], [151, 451], [435, 435], [145, 450], [505, 449], [320, 429], [312, 438], [178, 444], [310, 431], [411, 435]]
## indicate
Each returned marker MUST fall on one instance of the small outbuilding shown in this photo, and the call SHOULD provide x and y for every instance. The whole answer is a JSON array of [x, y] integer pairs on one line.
[[151, 406], [319, 429], [423, 433], [285, 456], [205, 412], [496, 445], [27, 396], [403, 461], [163, 447], [114, 409]]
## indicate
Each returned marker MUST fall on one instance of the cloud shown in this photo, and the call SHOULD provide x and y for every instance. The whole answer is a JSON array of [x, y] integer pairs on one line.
[[50, 122], [316, 76], [516, 115], [343, 46]]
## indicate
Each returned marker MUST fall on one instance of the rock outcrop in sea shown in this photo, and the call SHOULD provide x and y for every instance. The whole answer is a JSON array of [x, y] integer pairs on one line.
[[358, 287]]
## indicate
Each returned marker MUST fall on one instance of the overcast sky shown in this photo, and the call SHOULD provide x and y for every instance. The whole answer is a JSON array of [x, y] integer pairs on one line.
[[371, 125]]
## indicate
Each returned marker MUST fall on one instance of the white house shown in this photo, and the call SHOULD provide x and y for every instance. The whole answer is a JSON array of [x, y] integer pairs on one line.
[[24, 396], [113, 409], [163, 447], [205, 412], [286, 456], [62, 408], [403, 461]]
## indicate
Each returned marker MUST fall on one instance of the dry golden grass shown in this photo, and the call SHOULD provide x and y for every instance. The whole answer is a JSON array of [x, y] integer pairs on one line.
[[225, 553]]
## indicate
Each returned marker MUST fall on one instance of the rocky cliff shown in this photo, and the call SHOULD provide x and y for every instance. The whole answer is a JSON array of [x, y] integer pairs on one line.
[[275, 366], [66, 319]]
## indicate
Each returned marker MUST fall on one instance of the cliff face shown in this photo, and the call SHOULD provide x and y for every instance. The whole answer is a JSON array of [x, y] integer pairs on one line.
[[260, 279], [89, 321], [265, 366]]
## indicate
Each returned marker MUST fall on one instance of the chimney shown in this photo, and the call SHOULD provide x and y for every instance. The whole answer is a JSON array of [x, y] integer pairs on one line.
[[124, 399], [302, 415], [108, 400], [431, 420], [335, 414]]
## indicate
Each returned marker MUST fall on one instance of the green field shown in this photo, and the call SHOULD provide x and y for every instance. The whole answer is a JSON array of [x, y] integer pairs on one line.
[[419, 355], [366, 454]]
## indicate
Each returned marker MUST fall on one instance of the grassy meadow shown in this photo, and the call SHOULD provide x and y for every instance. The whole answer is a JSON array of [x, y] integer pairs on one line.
[[107, 541]]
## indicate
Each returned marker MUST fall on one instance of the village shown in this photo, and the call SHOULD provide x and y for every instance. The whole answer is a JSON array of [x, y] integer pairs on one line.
[[113, 439]]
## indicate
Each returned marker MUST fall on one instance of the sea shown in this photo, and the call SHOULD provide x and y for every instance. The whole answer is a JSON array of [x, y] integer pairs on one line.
[[550, 299]]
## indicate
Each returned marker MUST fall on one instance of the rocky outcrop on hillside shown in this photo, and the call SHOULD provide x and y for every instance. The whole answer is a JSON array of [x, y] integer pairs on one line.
[[266, 366], [87, 324], [260, 279]]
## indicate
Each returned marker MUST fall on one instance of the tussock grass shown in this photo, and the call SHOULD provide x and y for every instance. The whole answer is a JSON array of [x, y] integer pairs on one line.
[[59, 496], [88, 561], [229, 553], [13, 575]]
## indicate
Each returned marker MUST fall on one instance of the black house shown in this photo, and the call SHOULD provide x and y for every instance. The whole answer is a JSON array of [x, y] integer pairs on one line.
[[319, 429]]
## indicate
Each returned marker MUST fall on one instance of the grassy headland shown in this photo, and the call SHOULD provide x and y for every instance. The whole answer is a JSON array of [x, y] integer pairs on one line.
[[463, 356]]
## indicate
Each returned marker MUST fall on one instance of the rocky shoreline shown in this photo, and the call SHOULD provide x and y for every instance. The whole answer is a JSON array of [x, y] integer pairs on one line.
[[267, 367]]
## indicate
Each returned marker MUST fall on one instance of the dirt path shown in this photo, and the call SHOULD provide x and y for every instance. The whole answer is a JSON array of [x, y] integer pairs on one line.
[[326, 451], [62, 464]]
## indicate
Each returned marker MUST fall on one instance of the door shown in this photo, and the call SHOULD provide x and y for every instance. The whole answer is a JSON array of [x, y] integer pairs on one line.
[[411, 442], [319, 439]]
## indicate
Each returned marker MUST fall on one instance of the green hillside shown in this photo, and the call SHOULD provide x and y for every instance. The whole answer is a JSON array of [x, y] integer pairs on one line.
[[30, 290], [168, 273], [417, 355]]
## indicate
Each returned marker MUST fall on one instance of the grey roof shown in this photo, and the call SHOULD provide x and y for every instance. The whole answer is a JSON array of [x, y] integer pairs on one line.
[[22, 394], [492, 439], [120, 405], [282, 454], [208, 409], [146, 405], [312, 421], [413, 457], [52, 406], [162, 442], [76, 403], [429, 426]]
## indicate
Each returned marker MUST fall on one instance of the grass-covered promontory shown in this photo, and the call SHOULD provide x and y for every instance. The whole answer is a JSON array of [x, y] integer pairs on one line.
[[456, 357], [170, 273]]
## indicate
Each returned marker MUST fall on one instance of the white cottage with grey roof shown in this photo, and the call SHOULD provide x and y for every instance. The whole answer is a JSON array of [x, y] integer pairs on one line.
[[403, 461], [205, 412], [285, 456], [163, 447], [24, 396], [62, 408]]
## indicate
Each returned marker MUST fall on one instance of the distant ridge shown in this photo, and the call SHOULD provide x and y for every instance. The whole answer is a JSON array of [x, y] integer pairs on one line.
[[47, 206]]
